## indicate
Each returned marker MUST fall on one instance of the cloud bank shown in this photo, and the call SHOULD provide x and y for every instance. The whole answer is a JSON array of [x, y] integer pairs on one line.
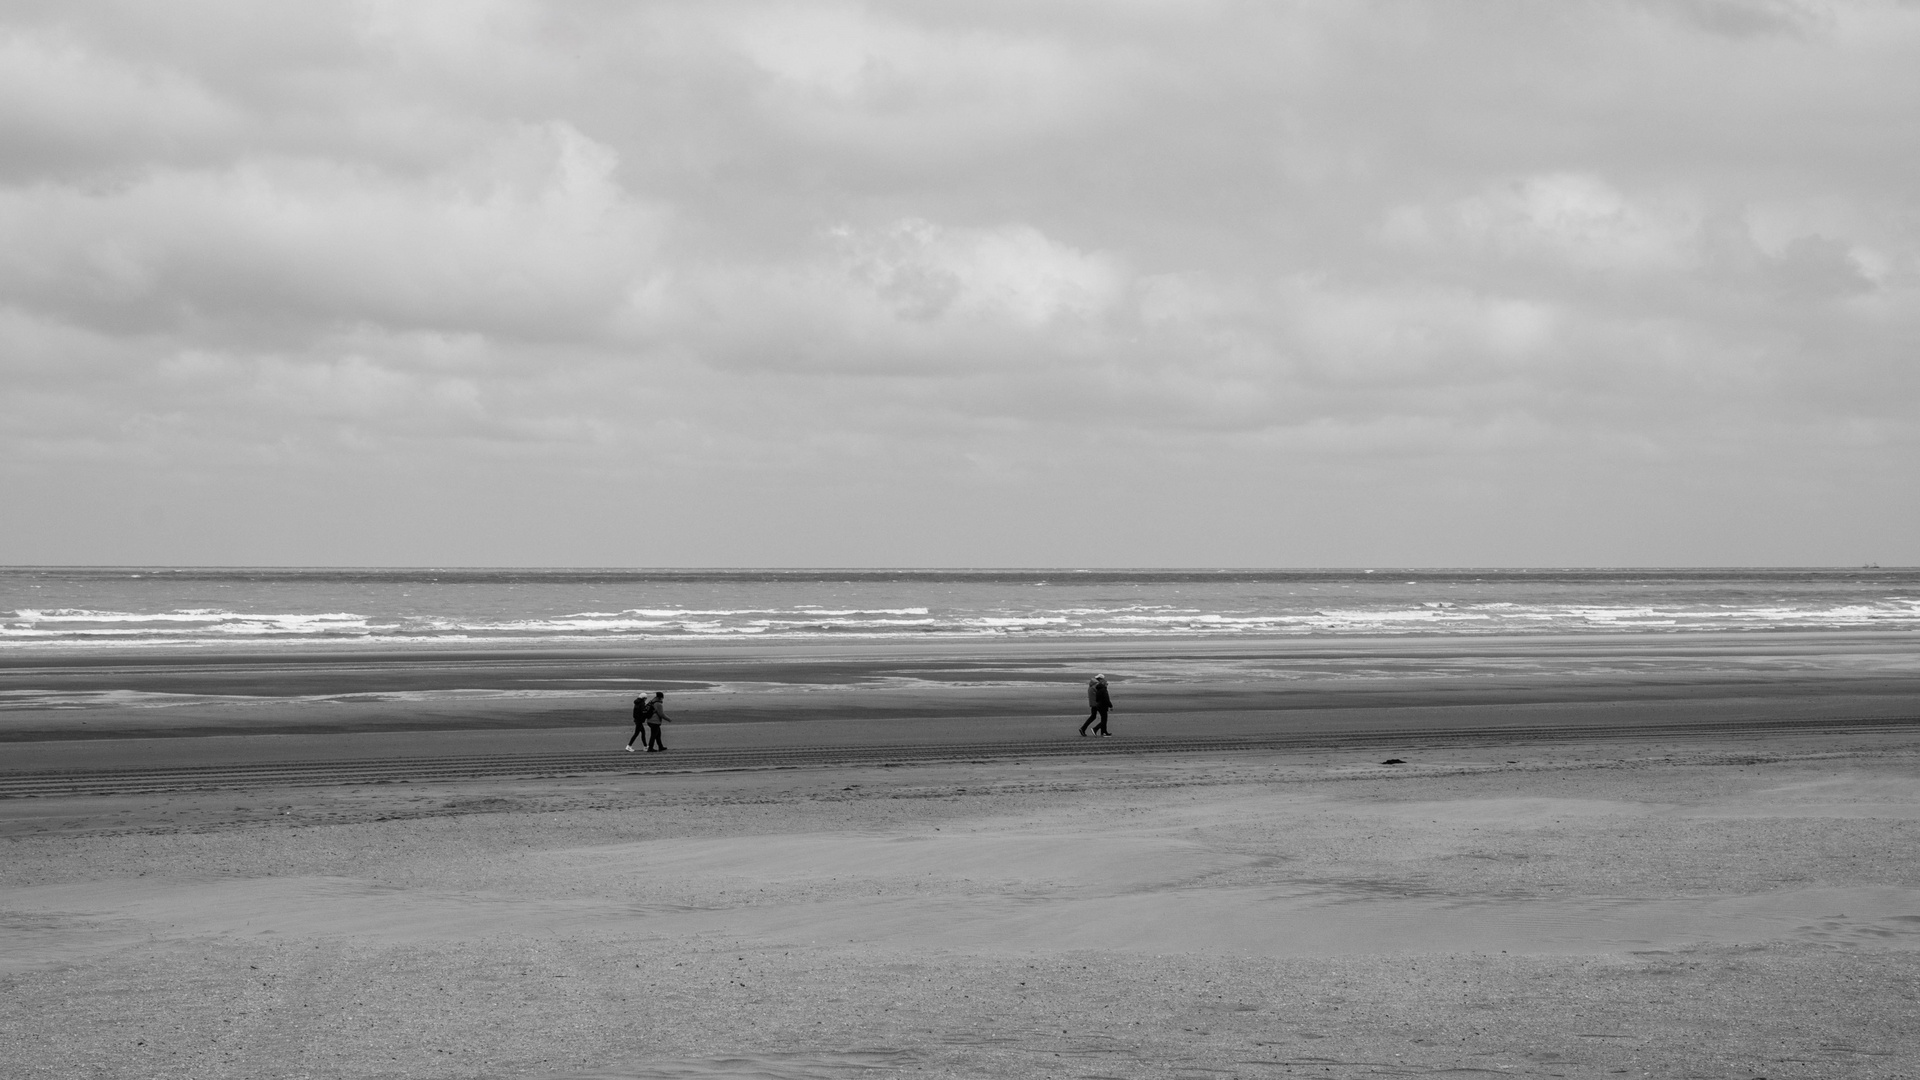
[[1601, 282]]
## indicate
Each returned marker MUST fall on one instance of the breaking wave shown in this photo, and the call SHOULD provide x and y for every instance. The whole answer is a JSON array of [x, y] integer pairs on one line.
[[184, 626]]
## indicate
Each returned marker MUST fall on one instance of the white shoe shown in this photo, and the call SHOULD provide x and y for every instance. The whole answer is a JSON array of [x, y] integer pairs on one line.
[[629, 749]]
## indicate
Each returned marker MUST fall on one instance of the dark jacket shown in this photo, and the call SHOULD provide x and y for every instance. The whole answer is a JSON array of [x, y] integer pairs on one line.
[[1097, 696]]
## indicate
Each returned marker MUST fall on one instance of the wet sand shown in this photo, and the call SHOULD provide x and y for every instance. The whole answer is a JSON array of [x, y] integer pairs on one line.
[[1639, 905], [1164, 684]]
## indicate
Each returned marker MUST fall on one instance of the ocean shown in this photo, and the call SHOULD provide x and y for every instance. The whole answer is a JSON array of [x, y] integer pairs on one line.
[[136, 608]]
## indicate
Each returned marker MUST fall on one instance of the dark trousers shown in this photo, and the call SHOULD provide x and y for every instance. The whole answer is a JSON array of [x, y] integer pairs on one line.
[[653, 738], [639, 729], [1099, 714]]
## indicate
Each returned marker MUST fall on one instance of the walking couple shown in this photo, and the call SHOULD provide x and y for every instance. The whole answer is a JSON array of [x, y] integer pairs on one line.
[[648, 713], [1098, 702]]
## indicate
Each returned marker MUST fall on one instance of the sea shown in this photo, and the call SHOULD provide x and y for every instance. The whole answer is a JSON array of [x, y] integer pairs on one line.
[[136, 608]]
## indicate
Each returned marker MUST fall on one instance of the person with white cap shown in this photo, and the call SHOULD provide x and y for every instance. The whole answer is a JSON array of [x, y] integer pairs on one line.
[[1098, 702], [642, 710]]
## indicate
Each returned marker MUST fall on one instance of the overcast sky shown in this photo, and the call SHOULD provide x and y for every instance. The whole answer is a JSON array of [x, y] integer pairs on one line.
[[1582, 282]]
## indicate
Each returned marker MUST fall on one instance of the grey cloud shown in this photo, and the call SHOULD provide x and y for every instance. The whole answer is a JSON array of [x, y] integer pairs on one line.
[[896, 242], [1749, 18], [308, 243]]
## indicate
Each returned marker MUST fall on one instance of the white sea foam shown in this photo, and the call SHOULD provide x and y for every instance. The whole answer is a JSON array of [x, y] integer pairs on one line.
[[23, 700], [517, 607], [15, 700]]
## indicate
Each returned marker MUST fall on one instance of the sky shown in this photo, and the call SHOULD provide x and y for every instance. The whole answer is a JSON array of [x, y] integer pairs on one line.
[[1022, 283]]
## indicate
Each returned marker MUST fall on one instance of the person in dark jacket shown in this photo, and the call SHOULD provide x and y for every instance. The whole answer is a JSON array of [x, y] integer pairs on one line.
[[642, 708], [654, 720], [1098, 702]]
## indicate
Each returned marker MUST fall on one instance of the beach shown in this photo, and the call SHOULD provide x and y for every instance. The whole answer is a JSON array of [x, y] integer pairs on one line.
[[1564, 874], [1165, 541]]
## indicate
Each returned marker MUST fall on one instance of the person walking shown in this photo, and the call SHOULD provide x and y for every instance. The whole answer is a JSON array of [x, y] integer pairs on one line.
[[642, 708], [654, 719], [1098, 702]]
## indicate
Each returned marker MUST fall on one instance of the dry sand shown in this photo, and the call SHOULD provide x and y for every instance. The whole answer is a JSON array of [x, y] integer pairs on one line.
[[1662, 908], [1647, 906]]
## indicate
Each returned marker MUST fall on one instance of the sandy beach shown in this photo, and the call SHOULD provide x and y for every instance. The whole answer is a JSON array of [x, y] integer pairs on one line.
[[1464, 439], [1647, 902]]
